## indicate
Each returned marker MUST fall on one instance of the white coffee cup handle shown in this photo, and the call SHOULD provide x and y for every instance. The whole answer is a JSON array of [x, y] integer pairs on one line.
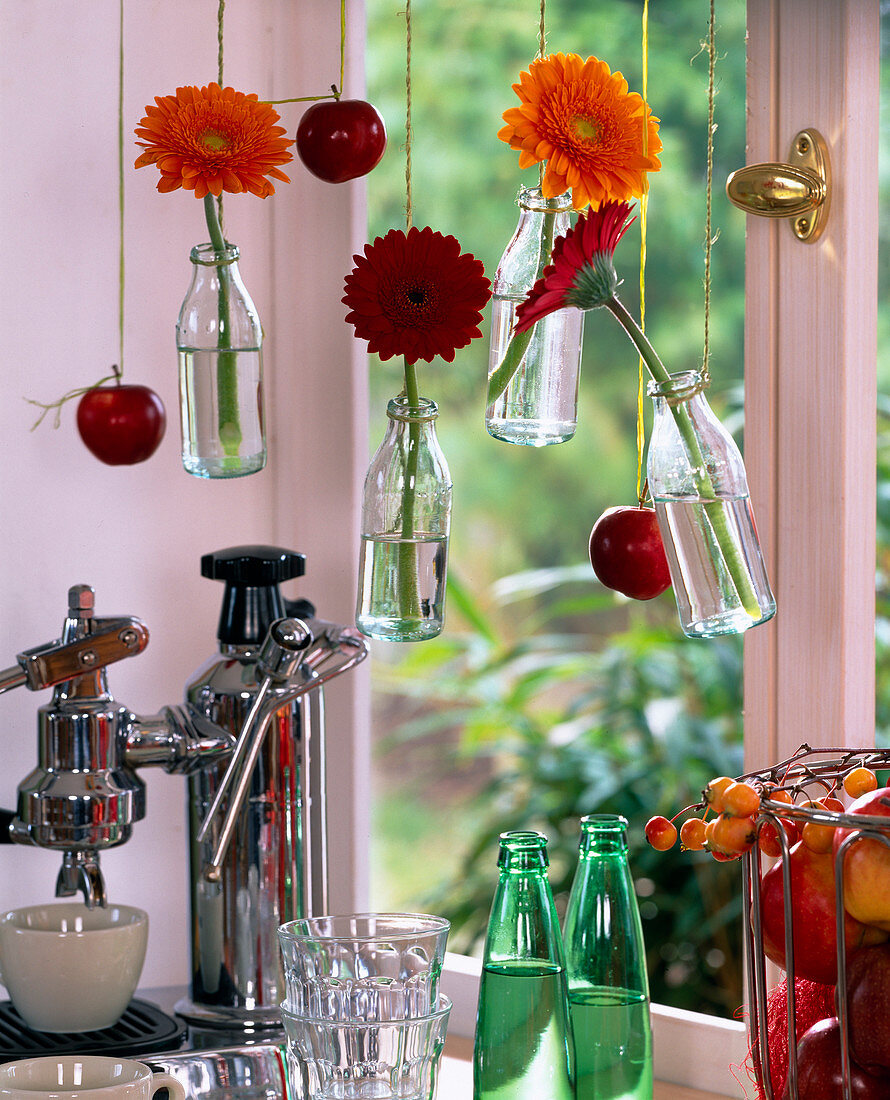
[[167, 1081]]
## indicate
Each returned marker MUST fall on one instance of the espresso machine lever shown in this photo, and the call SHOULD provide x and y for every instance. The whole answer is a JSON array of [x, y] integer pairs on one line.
[[86, 645], [277, 661], [289, 645]]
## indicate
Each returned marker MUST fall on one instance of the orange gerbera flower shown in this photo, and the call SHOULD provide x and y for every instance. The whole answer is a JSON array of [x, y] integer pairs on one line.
[[212, 139], [580, 118]]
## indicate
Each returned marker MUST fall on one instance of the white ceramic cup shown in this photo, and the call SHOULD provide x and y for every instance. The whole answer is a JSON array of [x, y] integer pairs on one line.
[[69, 968], [84, 1077]]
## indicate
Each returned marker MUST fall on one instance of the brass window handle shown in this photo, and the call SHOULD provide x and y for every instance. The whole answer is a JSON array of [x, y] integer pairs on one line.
[[799, 190]]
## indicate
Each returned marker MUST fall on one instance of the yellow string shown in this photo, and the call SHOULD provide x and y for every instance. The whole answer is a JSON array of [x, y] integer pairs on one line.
[[644, 210], [409, 133], [120, 189], [542, 41], [335, 91]]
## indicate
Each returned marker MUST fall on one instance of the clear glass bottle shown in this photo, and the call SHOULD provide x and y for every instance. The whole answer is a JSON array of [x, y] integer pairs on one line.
[[540, 403], [523, 1045], [406, 516], [700, 490], [606, 968], [219, 339]]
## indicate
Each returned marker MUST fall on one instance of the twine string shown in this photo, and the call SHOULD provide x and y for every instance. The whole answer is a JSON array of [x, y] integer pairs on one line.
[[220, 54], [409, 132], [710, 237]]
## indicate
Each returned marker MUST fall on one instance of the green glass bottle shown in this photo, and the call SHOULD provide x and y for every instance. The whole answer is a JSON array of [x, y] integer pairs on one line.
[[523, 1046], [606, 967]]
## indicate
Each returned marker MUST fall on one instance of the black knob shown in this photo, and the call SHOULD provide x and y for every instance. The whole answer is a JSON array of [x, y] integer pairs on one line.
[[251, 602]]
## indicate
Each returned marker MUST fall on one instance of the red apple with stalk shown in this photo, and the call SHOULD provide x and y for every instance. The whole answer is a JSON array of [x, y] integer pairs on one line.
[[867, 864], [627, 553], [341, 139], [820, 1073], [814, 929], [121, 424]]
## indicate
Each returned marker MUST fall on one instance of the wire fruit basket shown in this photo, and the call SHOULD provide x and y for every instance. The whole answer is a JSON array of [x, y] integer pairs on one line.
[[809, 776]]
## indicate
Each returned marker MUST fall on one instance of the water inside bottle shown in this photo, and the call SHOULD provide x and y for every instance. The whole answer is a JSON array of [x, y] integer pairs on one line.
[[707, 597]]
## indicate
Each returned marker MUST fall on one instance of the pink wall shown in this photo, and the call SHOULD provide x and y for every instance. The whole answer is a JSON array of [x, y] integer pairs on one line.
[[136, 533]]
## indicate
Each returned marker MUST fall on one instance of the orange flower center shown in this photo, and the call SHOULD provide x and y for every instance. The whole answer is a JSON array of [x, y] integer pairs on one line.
[[587, 129]]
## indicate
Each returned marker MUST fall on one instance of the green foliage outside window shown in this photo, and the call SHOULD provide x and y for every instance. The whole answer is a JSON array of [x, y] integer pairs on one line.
[[548, 697]]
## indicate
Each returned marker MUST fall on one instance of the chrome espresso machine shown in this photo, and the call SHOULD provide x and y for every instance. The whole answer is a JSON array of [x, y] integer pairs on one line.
[[249, 738]]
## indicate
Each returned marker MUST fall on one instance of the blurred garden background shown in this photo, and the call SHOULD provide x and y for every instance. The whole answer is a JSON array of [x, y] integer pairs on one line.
[[549, 697]]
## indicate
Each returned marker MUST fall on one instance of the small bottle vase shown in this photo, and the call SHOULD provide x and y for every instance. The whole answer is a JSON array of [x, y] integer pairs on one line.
[[406, 518], [700, 490], [219, 339], [539, 406]]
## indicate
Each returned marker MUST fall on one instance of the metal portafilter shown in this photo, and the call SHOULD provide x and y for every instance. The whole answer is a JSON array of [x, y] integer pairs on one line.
[[84, 795]]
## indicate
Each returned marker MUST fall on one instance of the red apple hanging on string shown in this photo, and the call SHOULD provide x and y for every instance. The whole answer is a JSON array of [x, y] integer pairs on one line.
[[627, 553], [341, 139], [122, 423]]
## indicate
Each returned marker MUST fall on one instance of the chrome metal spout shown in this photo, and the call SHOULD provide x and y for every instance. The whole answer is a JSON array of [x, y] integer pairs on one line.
[[80, 872]]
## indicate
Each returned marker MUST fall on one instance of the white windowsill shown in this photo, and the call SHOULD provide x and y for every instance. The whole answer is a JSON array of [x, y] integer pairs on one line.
[[692, 1051]]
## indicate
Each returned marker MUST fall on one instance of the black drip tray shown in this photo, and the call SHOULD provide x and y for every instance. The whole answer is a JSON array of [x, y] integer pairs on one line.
[[143, 1028]]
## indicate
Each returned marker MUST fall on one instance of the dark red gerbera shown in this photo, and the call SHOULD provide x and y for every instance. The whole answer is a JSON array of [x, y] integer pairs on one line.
[[581, 272], [415, 294]]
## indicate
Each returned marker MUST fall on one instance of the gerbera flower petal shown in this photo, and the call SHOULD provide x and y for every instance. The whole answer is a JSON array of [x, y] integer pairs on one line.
[[212, 139], [580, 117], [581, 272], [415, 294]]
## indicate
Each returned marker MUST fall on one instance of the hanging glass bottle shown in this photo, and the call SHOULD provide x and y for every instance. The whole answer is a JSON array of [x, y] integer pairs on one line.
[[523, 1045], [700, 491], [539, 405], [219, 338], [406, 515], [606, 968]]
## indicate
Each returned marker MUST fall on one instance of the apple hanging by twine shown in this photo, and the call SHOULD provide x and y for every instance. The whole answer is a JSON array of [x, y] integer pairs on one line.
[[627, 552], [341, 139], [121, 424]]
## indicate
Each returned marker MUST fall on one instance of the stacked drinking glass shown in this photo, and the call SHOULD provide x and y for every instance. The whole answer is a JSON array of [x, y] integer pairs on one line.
[[364, 1017]]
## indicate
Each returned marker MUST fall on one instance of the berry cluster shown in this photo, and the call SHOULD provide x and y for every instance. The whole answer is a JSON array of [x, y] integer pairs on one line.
[[728, 826]]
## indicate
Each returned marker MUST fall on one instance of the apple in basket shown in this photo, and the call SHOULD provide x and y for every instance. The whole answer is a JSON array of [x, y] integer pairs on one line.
[[813, 907], [867, 865], [820, 1073], [868, 998]]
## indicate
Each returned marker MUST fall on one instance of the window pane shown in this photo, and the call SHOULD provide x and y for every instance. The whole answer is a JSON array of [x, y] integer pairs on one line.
[[548, 697]]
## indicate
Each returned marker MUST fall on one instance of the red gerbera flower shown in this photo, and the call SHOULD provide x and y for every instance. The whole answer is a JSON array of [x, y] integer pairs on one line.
[[581, 272], [416, 295]]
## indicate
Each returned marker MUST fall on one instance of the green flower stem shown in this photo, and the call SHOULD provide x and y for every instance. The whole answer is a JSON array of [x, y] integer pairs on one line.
[[227, 365], [516, 349], [409, 600], [714, 510]]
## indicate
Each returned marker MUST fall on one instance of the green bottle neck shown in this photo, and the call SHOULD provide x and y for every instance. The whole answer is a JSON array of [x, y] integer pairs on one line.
[[603, 835]]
